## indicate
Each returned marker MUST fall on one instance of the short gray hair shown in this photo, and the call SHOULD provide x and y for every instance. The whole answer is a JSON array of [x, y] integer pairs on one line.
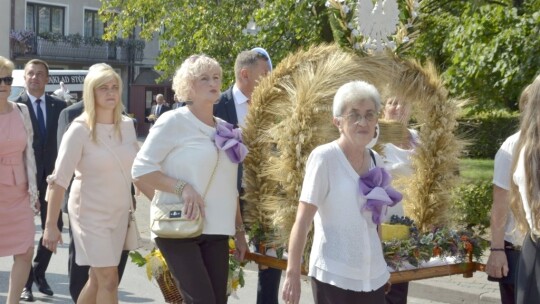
[[190, 69], [352, 92], [246, 59]]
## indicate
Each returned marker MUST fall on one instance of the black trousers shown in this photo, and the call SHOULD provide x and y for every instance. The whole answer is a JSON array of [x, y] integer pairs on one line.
[[507, 289], [268, 282], [78, 275], [43, 255], [398, 293], [324, 293], [507, 293], [268, 286], [200, 266], [528, 273]]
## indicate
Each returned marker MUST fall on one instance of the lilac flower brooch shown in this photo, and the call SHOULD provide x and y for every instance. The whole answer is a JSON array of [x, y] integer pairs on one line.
[[375, 185], [229, 140]]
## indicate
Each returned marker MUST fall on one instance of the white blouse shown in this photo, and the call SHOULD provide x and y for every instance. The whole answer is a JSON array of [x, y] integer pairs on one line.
[[398, 162], [502, 178], [182, 147], [521, 181], [346, 250]]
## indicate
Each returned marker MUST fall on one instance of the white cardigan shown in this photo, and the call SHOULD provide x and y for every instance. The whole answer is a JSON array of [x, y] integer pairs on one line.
[[29, 157], [182, 147], [346, 250]]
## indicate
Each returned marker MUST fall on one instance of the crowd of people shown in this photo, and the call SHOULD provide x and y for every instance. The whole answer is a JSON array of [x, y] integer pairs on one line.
[[85, 159]]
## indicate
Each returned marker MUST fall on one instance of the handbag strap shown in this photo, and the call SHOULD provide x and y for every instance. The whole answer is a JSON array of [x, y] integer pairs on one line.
[[121, 168], [217, 150], [211, 176]]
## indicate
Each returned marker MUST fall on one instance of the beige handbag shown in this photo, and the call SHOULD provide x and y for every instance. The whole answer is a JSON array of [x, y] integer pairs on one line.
[[167, 221], [133, 236]]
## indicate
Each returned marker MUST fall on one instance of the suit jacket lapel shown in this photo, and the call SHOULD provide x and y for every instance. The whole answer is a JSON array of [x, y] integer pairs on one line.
[[231, 107], [49, 109]]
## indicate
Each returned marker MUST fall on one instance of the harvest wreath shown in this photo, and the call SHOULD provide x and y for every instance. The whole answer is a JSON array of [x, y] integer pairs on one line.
[[420, 247]]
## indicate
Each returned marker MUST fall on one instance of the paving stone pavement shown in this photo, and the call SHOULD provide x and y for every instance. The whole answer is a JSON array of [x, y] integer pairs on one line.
[[135, 287]]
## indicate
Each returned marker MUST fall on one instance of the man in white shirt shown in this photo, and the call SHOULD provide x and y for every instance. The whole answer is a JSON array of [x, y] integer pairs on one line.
[[249, 67], [233, 106]]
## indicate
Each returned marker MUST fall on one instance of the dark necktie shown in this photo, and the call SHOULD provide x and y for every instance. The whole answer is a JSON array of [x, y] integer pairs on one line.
[[41, 119]]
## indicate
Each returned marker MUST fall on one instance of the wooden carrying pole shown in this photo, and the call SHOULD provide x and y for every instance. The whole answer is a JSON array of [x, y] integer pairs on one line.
[[467, 269]]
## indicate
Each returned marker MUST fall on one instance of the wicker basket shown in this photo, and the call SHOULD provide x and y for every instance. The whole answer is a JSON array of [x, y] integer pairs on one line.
[[168, 288]]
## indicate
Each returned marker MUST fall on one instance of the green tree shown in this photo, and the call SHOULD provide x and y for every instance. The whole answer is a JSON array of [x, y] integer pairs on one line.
[[218, 28], [487, 50]]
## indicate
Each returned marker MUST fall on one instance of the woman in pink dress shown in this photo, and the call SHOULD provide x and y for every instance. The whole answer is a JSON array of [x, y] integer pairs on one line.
[[18, 191], [99, 147]]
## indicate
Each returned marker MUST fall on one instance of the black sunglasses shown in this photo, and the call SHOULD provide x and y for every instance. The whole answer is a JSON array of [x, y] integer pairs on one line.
[[8, 80]]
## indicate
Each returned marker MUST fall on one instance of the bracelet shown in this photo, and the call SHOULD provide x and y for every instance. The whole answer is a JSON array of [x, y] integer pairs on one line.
[[496, 249], [179, 187], [240, 228]]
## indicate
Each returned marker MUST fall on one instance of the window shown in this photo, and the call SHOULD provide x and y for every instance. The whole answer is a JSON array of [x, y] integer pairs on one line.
[[93, 26], [42, 18]]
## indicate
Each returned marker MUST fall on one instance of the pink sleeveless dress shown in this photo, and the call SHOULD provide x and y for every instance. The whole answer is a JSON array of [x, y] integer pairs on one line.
[[16, 217]]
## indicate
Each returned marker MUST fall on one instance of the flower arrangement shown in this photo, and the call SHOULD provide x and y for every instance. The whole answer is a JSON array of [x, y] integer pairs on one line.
[[156, 267], [440, 242], [23, 39], [236, 271]]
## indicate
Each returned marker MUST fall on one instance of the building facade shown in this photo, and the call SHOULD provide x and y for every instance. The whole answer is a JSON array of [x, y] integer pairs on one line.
[[67, 35]]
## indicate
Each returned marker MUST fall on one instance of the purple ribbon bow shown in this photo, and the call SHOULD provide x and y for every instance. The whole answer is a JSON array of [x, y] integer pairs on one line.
[[375, 185], [229, 140]]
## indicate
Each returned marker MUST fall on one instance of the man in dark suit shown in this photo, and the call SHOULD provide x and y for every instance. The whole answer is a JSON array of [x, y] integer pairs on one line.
[[44, 111], [233, 107], [160, 108], [78, 275]]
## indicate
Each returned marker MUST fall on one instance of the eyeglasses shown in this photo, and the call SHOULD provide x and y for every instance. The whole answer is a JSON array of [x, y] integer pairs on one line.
[[8, 80], [357, 118]]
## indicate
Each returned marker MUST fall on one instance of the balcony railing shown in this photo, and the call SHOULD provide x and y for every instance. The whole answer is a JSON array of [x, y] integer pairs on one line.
[[60, 49]]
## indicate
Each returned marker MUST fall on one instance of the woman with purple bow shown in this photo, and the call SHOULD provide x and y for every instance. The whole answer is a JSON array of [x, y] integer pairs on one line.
[[191, 154], [345, 193]]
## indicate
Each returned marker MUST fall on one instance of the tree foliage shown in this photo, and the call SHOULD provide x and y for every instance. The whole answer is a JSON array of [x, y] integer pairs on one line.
[[487, 50], [218, 28]]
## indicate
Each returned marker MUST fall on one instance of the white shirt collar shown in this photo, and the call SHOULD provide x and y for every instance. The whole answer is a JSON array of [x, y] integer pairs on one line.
[[33, 98], [239, 97]]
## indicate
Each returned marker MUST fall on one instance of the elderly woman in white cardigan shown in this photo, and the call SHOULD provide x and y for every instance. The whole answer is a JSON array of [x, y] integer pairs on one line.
[[191, 154], [345, 192]]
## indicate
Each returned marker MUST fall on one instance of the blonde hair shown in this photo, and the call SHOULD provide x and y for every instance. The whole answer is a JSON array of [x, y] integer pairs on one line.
[[6, 64], [529, 143], [99, 74], [524, 98], [191, 68]]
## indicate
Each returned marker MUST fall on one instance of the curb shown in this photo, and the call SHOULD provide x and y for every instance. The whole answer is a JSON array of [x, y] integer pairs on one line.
[[452, 292]]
